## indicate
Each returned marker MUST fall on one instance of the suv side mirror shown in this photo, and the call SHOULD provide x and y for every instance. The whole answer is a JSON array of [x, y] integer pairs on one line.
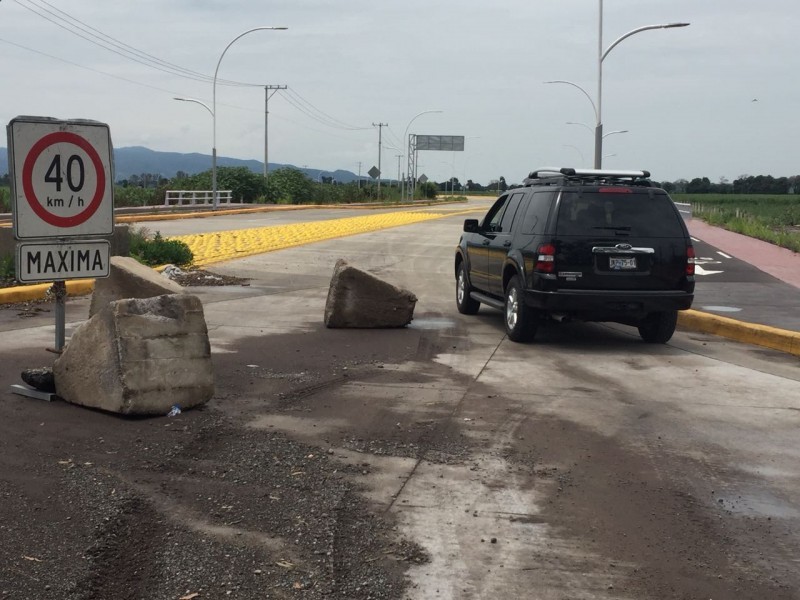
[[471, 225]]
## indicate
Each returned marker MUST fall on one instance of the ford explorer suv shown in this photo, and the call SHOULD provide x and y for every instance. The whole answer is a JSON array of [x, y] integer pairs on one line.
[[579, 244]]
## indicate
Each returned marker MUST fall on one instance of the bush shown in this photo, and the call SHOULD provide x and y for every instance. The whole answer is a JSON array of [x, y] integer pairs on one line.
[[7, 272], [5, 200], [134, 196], [158, 251], [245, 185]]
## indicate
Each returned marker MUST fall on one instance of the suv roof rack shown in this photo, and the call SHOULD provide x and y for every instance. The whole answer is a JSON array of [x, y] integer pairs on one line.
[[562, 175]]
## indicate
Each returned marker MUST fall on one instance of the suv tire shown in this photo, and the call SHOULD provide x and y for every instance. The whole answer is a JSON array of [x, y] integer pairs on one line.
[[657, 328], [520, 320], [465, 303]]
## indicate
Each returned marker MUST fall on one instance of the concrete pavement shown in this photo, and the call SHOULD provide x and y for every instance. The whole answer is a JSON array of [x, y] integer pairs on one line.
[[771, 324]]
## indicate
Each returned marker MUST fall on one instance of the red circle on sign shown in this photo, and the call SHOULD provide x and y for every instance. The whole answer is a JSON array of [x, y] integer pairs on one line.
[[27, 179]]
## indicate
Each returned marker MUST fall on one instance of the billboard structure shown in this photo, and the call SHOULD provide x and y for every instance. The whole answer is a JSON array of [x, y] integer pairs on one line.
[[442, 143]]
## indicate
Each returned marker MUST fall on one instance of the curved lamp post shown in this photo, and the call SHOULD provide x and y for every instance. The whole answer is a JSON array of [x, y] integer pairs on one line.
[[605, 135], [208, 108], [576, 150], [408, 144], [601, 55], [214, 109], [203, 104]]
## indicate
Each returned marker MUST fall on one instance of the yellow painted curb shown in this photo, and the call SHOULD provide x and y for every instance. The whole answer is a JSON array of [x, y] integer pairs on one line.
[[25, 293], [741, 331]]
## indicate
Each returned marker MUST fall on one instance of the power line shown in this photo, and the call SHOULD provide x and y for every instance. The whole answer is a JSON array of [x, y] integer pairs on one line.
[[311, 111], [80, 66], [94, 36], [176, 93], [75, 26]]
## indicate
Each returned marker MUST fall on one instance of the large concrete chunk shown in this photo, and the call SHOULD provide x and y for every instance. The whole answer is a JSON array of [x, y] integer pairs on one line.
[[139, 357], [358, 299], [128, 278]]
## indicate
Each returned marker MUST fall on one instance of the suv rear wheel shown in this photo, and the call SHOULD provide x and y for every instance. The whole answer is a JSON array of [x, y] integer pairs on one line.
[[464, 302], [520, 320], [657, 328]]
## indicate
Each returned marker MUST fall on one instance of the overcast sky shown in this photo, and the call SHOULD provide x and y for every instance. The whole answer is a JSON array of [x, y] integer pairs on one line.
[[720, 98]]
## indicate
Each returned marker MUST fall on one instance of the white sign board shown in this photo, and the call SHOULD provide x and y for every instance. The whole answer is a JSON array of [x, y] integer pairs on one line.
[[54, 261], [61, 177]]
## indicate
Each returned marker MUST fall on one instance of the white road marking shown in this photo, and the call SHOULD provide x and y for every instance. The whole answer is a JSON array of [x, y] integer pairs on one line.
[[723, 254], [698, 270]]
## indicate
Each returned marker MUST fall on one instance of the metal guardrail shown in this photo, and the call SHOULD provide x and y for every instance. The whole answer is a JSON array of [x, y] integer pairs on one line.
[[191, 197], [685, 209]]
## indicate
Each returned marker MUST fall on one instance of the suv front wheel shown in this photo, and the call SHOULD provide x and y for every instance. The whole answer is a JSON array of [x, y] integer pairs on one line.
[[465, 303], [658, 327], [520, 320]]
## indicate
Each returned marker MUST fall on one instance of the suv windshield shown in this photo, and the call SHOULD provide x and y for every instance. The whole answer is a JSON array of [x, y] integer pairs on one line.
[[620, 213]]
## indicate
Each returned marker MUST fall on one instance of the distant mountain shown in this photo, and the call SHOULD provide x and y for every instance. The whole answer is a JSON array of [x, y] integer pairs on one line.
[[136, 160]]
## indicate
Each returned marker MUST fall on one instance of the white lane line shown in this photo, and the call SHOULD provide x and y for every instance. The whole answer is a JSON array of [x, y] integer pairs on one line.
[[723, 254]]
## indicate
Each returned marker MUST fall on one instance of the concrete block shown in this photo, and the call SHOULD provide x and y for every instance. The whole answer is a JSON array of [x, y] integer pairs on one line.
[[357, 299], [128, 278], [141, 356]]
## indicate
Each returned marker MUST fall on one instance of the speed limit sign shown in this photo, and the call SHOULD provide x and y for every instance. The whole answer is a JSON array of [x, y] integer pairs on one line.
[[62, 178]]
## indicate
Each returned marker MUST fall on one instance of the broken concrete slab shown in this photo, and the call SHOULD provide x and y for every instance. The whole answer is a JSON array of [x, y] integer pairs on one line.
[[357, 299], [128, 278], [141, 356]]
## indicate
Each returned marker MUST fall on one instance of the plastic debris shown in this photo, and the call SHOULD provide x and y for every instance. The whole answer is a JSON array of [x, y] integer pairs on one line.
[[175, 410]]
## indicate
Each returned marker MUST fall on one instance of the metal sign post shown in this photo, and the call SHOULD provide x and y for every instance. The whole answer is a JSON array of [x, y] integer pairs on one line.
[[442, 143], [62, 184]]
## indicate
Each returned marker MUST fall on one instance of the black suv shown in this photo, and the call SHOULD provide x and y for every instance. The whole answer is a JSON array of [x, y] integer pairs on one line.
[[589, 245]]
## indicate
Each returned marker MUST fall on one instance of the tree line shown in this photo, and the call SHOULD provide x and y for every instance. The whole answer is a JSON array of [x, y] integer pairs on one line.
[[744, 184], [282, 186]]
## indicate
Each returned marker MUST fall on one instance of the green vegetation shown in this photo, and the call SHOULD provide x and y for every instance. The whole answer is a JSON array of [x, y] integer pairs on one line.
[[772, 218], [283, 186], [5, 199], [7, 272], [157, 251]]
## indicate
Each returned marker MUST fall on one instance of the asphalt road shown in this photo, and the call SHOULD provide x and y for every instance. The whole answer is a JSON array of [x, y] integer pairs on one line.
[[731, 287], [585, 465]]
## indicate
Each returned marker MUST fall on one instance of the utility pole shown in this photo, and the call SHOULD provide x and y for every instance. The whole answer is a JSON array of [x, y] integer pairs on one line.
[[380, 127], [399, 156], [359, 174], [267, 96]]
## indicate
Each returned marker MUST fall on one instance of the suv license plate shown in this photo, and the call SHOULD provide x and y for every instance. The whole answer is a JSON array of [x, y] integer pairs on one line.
[[621, 264]]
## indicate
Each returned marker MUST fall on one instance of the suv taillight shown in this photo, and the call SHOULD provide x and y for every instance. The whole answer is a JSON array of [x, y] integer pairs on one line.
[[690, 261], [546, 259]]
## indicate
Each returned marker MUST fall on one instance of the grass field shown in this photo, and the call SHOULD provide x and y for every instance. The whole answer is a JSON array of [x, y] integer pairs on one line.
[[774, 219]]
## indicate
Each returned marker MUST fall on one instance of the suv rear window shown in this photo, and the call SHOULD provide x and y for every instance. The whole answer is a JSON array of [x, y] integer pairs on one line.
[[631, 213]]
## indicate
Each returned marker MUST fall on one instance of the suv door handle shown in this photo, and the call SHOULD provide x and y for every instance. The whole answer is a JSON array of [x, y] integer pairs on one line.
[[487, 242], [507, 244]]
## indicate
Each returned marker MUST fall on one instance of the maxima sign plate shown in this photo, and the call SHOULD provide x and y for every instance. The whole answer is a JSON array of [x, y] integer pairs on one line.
[[59, 261]]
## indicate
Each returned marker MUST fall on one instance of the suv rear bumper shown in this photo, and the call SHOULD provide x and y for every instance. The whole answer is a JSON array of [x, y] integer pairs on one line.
[[608, 302]]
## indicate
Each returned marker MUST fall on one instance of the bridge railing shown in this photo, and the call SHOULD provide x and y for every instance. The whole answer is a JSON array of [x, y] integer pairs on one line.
[[190, 197]]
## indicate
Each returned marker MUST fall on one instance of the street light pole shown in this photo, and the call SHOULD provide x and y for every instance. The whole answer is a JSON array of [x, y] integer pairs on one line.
[[204, 105], [601, 55], [408, 147], [214, 110], [380, 127]]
